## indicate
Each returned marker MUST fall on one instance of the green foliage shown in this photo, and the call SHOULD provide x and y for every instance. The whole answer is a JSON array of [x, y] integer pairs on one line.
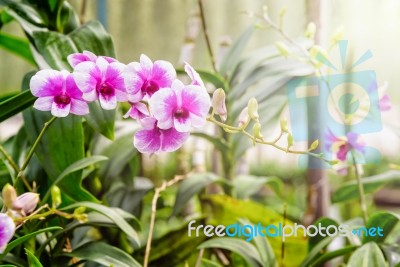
[[16, 45], [369, 255]]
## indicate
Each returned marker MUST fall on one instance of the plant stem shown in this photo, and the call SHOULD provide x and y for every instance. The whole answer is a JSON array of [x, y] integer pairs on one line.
[[30, 153], [157, 193], [9, 159], [204, 25], [361, 193]]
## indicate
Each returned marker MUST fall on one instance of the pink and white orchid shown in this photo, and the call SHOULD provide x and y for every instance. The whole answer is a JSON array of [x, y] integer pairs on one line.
[[76, 58], [194, 76], [180, 106], [7, 229], [57, 92], [341, 146], [137, 111], [151, 139], [145, 78], [101, 80]]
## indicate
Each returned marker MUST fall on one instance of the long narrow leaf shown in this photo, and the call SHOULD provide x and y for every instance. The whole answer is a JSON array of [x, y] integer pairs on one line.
[[17, 46]]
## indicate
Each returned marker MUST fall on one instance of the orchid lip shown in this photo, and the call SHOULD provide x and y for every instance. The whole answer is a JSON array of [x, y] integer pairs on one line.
[[106, 90], [62, 99], [150, 87], [181, 113]]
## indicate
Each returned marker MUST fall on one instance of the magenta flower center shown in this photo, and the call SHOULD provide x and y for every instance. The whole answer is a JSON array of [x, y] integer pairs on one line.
[[150, 87], [181, 113], [62, 99], [106, 90]]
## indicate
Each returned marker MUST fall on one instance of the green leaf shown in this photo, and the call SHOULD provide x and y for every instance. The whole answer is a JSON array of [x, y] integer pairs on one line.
[[76, 166], [219, 143], [369, 255], [110, 213], [383, 219], [239, 246], [191, 186], [232, 57], [349, 190], [209, 263], [17, 46], [214, 78], [325, 222], [316, 251], [331, 255], [64, 142], [55, 47], [16, 104], [225, 210], [104, 254], [247, 185], [32, 260], [101, 120], [24, 238], [53, 4]]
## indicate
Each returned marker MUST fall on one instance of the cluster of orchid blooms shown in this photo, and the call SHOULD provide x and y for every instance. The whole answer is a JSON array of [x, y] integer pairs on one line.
[[165, 107]]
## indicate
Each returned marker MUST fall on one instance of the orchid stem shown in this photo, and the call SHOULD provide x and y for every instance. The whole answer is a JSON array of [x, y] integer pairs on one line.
[[30, 154], [204, 25], [9, 159], [361, 193]]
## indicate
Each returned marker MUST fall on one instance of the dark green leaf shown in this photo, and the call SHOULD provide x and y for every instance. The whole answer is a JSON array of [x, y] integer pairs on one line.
[[110, 213], [17, 46], [325, 222], [76, 166], [383, 219], [104, 254], [24, 238], [315, 252], [371, 184], [32, 260], [331, 255], [369, 255], [239, 246], [209, 263], [16, 104], [191, 186], [101, 120]]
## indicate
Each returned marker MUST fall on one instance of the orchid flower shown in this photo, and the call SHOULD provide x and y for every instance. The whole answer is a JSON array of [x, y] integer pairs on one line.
[[341, 146], [145, 78], [101, 80], [180, 106], [137, 111], [7, 229], [151, 139], [57, 92], [76, 58]]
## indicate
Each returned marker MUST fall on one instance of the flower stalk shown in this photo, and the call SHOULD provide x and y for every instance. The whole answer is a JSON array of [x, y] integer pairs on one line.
[[361, 193]]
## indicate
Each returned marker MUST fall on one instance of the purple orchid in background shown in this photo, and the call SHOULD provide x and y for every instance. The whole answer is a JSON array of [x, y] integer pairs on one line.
[[151, 139], [57, 92], [7, 229], [101, 80], [137, 111], [76, 58], [196, 79], [145, 78], [341, 146], [180, 106]]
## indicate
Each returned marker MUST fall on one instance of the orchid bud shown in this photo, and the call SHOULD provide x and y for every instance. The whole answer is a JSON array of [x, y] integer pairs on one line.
[[284, 127], [9, 195], [55, 196], [218, 104], [26, 202], [252, 107], [243, 118], [283, 49], [257, 131], [289, 140], [314, 145], [310, 31]]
